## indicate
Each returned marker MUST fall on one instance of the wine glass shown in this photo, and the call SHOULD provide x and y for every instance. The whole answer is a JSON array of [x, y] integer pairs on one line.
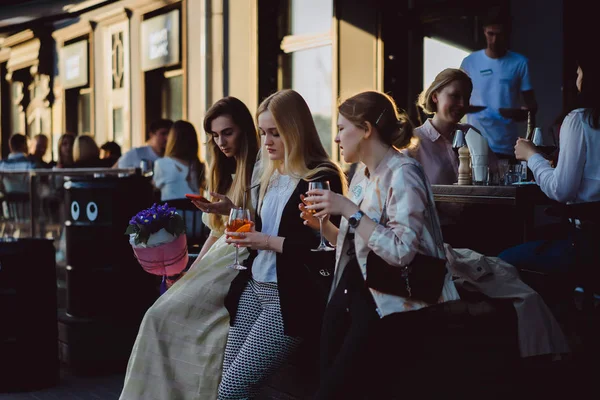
[[238, 217], [324, 186]]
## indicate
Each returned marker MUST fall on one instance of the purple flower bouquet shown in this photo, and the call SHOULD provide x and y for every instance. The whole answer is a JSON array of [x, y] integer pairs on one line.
[[157, 236]]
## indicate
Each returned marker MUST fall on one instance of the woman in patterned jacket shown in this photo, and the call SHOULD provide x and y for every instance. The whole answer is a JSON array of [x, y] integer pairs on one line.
[[390, 212]]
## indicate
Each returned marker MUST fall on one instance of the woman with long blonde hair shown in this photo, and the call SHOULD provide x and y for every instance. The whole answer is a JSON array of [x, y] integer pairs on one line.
[[278, 301], [86, 153], [66, 143], [179, 350]]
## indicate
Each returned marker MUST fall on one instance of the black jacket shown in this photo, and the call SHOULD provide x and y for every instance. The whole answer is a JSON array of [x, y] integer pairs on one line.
[[303, 276]]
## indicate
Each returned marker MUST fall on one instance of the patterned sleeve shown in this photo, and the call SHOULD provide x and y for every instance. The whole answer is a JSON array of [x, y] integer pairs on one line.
[[398, 241]]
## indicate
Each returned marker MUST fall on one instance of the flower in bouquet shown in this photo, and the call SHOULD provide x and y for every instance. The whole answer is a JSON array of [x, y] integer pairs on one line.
[[157, 236]]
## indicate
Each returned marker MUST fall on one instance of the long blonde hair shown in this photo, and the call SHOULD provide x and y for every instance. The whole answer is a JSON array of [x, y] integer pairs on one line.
[[85, 149], [304, 155], [242, 164]]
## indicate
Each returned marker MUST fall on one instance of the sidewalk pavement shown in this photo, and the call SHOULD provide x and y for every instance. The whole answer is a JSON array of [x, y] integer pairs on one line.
[[75, 388]]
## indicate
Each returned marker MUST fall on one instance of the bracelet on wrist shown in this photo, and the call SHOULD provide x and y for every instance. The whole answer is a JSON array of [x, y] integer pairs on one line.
[[267, 242]]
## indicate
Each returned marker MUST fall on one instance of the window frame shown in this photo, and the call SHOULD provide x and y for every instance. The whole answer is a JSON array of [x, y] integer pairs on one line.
[[291, 43]]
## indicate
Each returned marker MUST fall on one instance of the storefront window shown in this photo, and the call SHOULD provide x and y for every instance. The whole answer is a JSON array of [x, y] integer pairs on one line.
[[76, 82], [310, 16], [172, 97], [161, 61], [308, 60], [84, 108], [118, 124], [311, 77], [437, 56]]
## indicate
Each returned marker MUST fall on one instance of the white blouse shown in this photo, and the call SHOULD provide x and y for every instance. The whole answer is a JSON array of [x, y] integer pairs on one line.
[[278, 194], [576, 178], [170, 177]]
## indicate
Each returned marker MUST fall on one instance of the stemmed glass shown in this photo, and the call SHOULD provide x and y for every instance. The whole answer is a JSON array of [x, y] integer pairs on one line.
[[323, 186], [238, 217]]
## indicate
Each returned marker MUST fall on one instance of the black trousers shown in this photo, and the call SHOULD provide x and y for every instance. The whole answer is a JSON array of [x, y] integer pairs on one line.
[[364, 356], [346, 339]]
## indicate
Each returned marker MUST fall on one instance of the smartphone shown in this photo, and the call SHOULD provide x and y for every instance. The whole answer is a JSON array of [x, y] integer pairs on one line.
[[197, 197]]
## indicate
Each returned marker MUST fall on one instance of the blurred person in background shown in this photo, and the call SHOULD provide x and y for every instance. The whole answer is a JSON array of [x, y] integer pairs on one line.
[[500, 77], [65, 151], [154, 149], [111, 152], [16, 160], [37, 149], [180, 171], [86, 153]]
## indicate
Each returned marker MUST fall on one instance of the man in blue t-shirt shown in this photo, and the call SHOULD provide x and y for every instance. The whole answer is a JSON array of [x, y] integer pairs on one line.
[[500, 77], [154, 149]]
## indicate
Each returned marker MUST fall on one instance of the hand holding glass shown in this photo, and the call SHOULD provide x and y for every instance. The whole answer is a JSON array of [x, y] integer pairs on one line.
[[238, 217], [323, 186]]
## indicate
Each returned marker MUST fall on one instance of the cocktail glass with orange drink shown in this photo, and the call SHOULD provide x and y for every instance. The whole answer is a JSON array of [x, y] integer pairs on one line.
[[239, 221]]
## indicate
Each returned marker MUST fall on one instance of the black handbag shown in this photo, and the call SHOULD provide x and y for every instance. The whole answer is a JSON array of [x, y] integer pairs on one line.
[[423, 279]]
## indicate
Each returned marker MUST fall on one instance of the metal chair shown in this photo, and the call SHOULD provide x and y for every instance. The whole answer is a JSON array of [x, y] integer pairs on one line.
[[16, 215]]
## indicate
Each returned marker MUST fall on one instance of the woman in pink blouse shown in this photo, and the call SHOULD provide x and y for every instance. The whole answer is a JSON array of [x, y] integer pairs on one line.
[[447, 98], [390, 211]]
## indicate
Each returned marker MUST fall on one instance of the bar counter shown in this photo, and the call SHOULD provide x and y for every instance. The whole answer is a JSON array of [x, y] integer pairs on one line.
[[493, 217]]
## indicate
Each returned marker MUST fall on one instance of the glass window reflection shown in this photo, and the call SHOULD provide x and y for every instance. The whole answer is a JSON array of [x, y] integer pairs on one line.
[[311, 72], [119, 135], [84, 108], [173, 98], [310, 16]]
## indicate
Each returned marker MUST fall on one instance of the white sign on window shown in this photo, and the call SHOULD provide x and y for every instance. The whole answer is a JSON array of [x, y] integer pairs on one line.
[[160, 41], [72, 69], [74, 64]]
